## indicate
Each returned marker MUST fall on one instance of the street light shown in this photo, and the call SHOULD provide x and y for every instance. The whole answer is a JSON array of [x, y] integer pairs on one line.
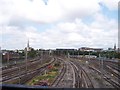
[[89, 57], [73, 54], [68, 55], [41, 53], [8, 58], [78, 54], [19, 74], [26, 55], [50, 52], [99, 60], [101, 69], [0, 57]]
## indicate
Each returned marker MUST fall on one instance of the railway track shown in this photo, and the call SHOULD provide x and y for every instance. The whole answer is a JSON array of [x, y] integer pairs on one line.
[[20, 63], [12, 72], [82, 78], [110, 68], [24, 77], [116, 67], [60, 76], [88, 82], [16, 67], [113, 83], [77, 83], [115, 74], [21, 69], [29, 62]]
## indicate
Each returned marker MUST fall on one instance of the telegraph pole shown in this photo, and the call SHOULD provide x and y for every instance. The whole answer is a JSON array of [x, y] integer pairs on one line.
[[73, 54], [26, 55], [68, 55], [0, 58], [78, 53], [19, 75], [99, 60], [101, 69], [8, 57], [89, 58]]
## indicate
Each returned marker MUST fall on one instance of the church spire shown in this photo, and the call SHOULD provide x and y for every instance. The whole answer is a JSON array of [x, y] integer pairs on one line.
[[115, 46], [28, 43], [28, 47]]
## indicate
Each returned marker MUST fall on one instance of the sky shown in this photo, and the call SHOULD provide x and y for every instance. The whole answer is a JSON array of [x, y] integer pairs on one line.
[[51, 24]]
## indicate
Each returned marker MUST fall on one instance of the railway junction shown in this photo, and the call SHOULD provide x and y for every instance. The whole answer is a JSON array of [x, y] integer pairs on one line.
[[63, 72]]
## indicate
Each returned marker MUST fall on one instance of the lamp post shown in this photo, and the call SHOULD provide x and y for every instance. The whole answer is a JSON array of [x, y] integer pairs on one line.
[[8, 57], [78, 53], [101, 69], [89, 58], [26, 54], [73, 54], [41, 54], [19, 75], [0, 57], [68, 55], [49, 52], [99, 60]]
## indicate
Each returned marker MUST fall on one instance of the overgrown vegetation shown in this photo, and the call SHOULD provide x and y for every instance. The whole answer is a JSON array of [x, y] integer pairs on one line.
[[48, 76]]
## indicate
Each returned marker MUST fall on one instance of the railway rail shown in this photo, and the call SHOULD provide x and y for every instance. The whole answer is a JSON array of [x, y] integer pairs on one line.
[[10, 72], [82, 78], [88, 82], [115, 74], [77, 76], [113, 83], [24, 77], [110, 68], [60, 76], [21, 69]]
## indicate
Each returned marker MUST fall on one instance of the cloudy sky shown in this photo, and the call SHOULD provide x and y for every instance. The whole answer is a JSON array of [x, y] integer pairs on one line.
[[58, 23]]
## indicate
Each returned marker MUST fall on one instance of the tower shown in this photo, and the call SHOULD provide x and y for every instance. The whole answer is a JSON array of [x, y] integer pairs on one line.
[[115, 46], [28, 43], [28, 47]]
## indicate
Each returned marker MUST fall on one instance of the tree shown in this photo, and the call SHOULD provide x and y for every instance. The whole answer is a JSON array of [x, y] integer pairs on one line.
[[32, 53]]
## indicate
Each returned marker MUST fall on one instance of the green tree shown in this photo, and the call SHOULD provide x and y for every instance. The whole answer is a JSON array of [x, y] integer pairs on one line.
[[32, 53]]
